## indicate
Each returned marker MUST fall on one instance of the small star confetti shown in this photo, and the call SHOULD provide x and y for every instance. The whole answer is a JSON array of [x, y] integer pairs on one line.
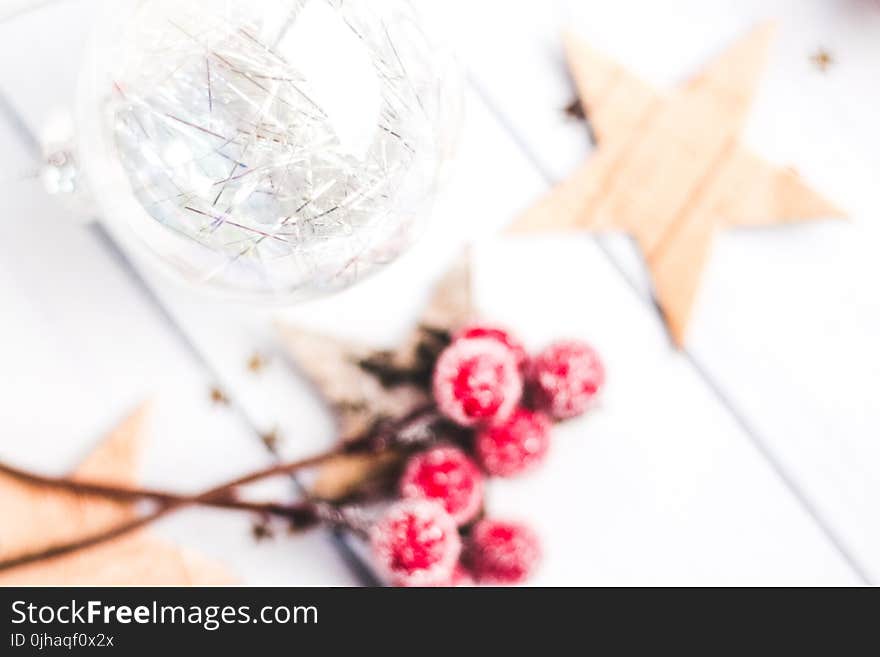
[[261, 531], [271, 439], [575, 110], [257, 363], [219, 397], [822, 60]]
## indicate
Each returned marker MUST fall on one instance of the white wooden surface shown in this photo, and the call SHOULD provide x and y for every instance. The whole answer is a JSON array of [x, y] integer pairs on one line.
[[752, 458]]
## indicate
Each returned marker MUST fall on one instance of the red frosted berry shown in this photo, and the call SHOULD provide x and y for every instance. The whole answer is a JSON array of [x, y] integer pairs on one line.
[[481, 330], [476, 381], [503, 552], [516, 445], [416, 543], [461, 576], [565, 378], [447, 475]]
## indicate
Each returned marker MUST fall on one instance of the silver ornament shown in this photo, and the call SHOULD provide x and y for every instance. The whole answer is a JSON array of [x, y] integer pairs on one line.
[[273, 149]]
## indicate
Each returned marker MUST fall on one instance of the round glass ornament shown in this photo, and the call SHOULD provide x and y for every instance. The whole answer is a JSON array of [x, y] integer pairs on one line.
[[266, 149]]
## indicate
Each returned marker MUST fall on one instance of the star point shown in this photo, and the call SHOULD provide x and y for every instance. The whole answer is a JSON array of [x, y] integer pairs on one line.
[[36, 518]]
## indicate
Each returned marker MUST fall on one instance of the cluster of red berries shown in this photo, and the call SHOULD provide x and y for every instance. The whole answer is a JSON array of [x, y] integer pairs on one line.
[[484, 381]]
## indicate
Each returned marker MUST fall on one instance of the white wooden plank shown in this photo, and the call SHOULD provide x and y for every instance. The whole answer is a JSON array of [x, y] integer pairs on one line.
[[680, 492], [9, 9], [787, 318]]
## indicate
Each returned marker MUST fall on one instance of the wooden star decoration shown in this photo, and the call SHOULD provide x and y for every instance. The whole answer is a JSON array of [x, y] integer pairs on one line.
[[363, 385], [34, 518], [670, 170]]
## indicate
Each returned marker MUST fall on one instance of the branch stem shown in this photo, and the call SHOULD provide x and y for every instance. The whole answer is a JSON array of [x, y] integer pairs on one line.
[[409, 429]]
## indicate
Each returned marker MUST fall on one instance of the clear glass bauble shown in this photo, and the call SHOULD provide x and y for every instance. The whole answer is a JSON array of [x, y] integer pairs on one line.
[[268, 149]]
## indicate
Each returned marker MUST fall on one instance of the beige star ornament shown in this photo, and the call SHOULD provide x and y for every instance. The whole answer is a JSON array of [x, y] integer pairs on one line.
[[36, 518], [346, 375], [670, 169]]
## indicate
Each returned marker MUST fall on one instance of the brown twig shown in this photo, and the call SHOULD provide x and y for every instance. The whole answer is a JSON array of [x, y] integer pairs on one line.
[[410, 428], [217, 496], [126, 494], [80, 544]]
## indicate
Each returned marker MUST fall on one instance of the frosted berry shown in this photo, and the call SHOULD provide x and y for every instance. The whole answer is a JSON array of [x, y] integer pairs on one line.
[[514, 446], [416, 543], [565, 378], [476, 381], [481, 330], [446, 475], [503, 552], [461, 576]]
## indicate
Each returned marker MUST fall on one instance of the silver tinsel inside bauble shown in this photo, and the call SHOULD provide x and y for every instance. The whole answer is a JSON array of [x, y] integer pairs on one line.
[[274, 148]]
